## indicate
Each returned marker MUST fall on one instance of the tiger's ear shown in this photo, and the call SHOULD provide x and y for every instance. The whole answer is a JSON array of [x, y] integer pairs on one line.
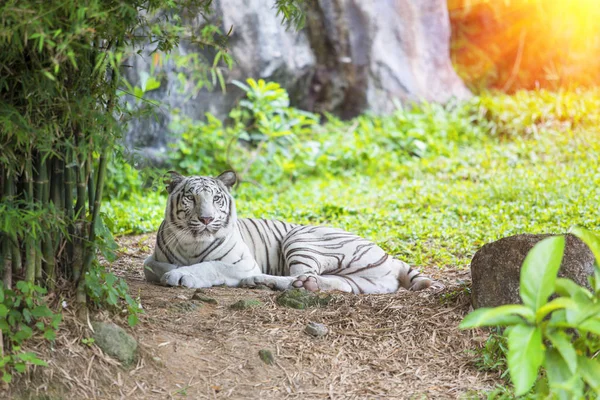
[[172, 179], [228, 178]]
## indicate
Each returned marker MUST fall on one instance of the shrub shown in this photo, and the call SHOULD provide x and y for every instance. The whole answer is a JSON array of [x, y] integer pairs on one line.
[[543, 333]]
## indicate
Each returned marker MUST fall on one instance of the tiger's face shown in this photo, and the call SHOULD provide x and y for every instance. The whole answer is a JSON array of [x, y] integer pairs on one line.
[[201, 206]]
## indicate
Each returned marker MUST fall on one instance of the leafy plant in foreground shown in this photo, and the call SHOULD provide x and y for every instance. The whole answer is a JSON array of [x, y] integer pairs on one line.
[[560, 334], [23, 314], [104, 287]]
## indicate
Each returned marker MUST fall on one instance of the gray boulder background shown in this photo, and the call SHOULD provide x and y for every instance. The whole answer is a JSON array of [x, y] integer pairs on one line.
[[352, 56], [496, 267]]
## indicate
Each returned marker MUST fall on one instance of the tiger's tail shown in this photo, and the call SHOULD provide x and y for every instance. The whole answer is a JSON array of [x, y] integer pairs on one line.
[[412, 279]]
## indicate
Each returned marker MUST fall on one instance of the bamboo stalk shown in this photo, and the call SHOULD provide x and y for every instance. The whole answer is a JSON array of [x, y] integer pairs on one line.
[[30, 242], [49, 261], [69, 209], [7, 263], [51, 242], [15, 249], [17, 265], [2, 181], [5, 246], [90, 254], [90, 176], [80, 177], [41, 194], [80, 223]]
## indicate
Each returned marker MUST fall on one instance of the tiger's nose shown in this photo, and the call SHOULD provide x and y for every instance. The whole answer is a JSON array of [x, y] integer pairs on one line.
[[206, 220]]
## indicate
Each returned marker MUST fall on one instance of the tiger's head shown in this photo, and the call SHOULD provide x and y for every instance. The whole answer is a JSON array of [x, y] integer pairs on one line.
[[201, 206]]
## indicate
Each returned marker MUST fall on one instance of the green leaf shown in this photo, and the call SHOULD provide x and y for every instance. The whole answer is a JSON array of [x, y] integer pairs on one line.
[[151, 84], [566, 287], [3, 311], [585, 309], [590, 370], [539, 271], [50, 334], [504, 316], [24, 333], [562, 343], [27, 315], [560, 377], [554, 305], [6, 377], [49, 75], [42, 311], [558, 318], [20, 367], [132, 320], [31, 358], [23, 286], [525, 356], [591, 239], [591, 325], [112, 297]]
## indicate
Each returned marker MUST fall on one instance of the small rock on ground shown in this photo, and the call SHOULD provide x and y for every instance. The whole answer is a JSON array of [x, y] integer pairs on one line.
[[245, 304], [316, 329], [199, 297], [114, 341], [266, 356], [187, 306], [301, 299]]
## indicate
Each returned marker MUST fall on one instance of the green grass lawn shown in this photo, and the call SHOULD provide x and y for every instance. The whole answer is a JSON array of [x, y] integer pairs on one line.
[[439, 211], [436, 210]]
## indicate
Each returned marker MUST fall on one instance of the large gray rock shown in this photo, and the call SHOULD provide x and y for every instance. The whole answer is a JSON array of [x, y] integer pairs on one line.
[[353, 56], [372, 53], [496, 267], [261, 47], [114, 341]]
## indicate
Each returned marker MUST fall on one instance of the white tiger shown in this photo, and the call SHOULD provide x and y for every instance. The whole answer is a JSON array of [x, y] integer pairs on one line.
[[202, 243]]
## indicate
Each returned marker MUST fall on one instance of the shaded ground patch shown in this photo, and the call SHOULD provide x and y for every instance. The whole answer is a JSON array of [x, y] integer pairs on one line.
[[398, 346]]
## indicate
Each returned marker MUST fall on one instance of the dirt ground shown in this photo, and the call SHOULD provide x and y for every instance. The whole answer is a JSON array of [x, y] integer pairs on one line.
[[396, 346]]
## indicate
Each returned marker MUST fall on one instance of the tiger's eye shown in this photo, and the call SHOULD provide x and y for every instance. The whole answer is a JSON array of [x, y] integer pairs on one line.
[[189, 197], [217, 197]]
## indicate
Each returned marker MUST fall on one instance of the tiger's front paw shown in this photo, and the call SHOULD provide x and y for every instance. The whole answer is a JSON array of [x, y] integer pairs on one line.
[[272, 282], [183, 278]]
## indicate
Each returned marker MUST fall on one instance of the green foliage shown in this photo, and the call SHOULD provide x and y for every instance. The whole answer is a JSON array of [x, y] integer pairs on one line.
[[140, 213], [124, 180], [492, 356], [23, 315], [202, 148], [525, 113], [293, 11], [106, 290], [469, 187], [265, 139], [542, 332]]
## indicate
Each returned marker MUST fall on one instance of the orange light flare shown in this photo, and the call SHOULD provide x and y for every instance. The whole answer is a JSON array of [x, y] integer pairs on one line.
[[551, 40]]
